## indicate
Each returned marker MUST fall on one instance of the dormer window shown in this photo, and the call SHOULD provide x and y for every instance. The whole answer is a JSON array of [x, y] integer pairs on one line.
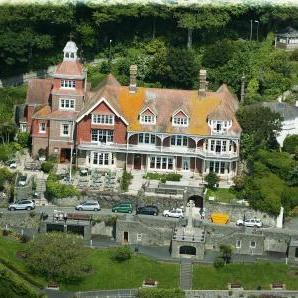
[[147, 116], [68, 83], [220, 126], [148, 119], [180, 119]]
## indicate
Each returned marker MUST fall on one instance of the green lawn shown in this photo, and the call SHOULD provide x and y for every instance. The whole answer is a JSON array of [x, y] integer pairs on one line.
[[109, 274], [250, 276], [224, 195]]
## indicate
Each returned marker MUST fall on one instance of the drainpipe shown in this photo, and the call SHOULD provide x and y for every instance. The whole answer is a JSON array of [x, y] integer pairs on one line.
[[71, 148]]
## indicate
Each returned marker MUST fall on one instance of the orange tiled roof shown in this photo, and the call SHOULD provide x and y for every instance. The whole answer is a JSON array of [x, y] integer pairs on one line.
[[165, 102]]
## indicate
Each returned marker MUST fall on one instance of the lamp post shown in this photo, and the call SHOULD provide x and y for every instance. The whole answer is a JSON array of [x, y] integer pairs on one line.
[[250, 36], [110, 51], [258, 23]]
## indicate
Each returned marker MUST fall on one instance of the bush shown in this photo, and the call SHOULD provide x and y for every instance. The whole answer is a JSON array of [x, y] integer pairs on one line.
[[290, 144], [55, 189], [125, 180], [219, 262], [24, 139], [212, 179], [122, 253], [47, 166], [57, 257], [42, 152], [163, 177], [160, 293]]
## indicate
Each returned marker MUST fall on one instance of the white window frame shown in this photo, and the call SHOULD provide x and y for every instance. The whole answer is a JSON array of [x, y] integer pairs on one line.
[[146, 138], [148, 119], [62, 134], [42, 127], [238, 243], [70, 84], [102, 159], [139, 237], [180, 121], [105, 119], [67, 104], [161, 163], [250, 244], [176, 139], [106, 134]]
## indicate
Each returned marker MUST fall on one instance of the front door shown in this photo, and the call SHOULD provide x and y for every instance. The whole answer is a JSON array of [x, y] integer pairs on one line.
[[185, 164], [137, 161], [65, 155], [125, 237]]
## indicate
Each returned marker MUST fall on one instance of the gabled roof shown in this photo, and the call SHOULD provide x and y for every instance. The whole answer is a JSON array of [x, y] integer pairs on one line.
[[38, 91], [181, 109], [107, 92], [150, 108]]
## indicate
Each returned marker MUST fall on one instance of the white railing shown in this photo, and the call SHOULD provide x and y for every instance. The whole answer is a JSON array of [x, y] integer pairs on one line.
[[154, 149]]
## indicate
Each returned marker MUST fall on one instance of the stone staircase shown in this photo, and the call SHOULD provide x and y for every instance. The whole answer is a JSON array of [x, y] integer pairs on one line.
[[40, 189], [186, 274]]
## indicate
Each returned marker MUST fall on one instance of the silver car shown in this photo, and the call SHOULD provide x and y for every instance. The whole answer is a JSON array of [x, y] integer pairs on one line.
[[88, 206], [22, 205]]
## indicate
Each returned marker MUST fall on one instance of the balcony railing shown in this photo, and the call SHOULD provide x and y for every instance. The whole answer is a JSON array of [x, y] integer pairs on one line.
[[145, 149], [154, 149]]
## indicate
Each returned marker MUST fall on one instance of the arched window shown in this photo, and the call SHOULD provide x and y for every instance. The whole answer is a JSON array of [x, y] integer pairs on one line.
[[67, 55], [71, 55]]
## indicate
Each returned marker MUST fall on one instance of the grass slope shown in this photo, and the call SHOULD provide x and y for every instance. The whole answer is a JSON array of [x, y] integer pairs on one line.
[[250, 276], [109, 274]]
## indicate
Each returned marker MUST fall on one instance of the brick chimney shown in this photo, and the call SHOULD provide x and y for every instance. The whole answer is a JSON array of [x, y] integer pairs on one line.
[[203, 82], [133, 70]]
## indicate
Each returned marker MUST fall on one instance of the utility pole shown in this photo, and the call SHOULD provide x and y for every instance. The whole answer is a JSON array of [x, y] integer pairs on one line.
[[110, 51], [258, 23], [250, 37]]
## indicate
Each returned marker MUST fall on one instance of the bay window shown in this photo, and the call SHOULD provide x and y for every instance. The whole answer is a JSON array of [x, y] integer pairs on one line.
[[161, 162], [102, 159]]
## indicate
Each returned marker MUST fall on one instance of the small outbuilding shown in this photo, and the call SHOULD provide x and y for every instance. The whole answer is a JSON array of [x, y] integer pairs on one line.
[[287, 39]]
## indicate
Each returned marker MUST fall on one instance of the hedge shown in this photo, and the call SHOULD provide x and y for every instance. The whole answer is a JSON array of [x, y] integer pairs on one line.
[[160, 293]]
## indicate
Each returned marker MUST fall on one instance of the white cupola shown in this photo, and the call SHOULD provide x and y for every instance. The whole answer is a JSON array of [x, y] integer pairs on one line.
[[70, 51]]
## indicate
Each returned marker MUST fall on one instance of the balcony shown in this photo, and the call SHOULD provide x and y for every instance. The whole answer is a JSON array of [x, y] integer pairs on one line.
[[151, 149]]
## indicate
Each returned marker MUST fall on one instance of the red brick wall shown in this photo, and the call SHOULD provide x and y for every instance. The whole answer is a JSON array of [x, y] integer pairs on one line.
[[29, 113], [35, 128], [84, 126]]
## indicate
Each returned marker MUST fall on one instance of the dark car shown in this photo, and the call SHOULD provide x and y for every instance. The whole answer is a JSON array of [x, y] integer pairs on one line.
[[148, 210]]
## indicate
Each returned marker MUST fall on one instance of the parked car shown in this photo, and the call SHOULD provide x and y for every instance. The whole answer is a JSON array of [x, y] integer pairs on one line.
[[22, 180], [175, 212], [251, 222], [148, 210], [88, 206], [22, 205], [122, 208]]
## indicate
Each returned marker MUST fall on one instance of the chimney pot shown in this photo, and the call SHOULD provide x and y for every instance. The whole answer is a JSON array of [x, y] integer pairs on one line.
[[133, 70]]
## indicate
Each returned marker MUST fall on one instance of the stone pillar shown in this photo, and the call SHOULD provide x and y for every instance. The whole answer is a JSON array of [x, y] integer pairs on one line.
[[203, 82]]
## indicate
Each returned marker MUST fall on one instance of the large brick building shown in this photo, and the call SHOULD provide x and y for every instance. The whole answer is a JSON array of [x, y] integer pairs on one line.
[[114, 126]]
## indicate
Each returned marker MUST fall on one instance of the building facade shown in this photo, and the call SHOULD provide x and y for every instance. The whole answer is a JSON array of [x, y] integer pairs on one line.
[[287, 39], [136, 128]]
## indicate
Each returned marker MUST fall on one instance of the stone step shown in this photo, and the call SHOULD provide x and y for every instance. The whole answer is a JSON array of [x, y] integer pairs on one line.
[[186, 275]]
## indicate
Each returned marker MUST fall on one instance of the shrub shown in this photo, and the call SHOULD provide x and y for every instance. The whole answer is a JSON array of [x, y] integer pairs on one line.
[[290, 144], [122, 253], [125, 180], [212, 179], [47, 166], [160, 293], [42, 152], [55, 189], [163, 177], [24, 139], [219, 262]]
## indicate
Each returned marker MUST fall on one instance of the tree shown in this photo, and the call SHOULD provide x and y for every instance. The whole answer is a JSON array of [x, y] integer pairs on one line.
[[226, 252], [183, 68], [212, 179], [58, 256], [290, 144], [259, 122], [293, 177]]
